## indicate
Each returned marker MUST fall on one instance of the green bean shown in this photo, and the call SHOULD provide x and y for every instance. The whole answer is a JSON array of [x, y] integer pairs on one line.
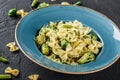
[[5, 76], [64, 44], [34, 3], [87, 57], [3, 59], [45, 49], [67, 26], [12, 12], [77, 3], [43, 4]]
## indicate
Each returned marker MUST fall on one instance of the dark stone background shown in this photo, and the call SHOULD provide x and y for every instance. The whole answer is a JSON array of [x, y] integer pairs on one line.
[[111, 8]]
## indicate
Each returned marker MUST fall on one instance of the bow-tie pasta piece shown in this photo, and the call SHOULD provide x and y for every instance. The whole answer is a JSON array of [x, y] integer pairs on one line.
[[12, 47], [14, 72], [22, 13], [8, 70], [33, 77]]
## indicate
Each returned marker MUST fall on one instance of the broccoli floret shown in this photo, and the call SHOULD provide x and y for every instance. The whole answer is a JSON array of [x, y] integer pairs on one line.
[[94, 36], [87, 57]]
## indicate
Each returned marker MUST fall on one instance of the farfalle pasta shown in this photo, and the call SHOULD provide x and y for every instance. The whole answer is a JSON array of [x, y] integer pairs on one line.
[[14, 72], [12, 47], [68, 42], [33, 77]]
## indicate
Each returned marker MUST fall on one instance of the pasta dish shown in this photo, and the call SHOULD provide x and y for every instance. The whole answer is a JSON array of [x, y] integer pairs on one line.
[[68, 42]]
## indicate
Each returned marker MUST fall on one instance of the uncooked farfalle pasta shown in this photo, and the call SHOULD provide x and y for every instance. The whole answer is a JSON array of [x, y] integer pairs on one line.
[[68, 42], [14, 72]]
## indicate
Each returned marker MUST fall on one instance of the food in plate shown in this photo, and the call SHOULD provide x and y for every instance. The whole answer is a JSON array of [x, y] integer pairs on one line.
[[68, 42]]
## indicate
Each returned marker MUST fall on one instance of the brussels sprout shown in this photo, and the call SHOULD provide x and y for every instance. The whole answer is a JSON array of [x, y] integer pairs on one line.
[[87, 57], [45, 49], [12, 12], [64, 43]]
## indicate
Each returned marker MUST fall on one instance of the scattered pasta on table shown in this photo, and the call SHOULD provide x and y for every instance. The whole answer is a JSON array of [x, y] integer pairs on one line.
[[65, 3], [22, 13], [14, 72], [12, 47], [33, 77]]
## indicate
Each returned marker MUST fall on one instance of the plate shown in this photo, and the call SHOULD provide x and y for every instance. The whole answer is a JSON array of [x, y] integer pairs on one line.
[[107, 30]]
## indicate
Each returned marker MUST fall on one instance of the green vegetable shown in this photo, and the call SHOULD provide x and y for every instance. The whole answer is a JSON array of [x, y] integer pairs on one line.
[[44, 4], [42, 30], [47, 39], [77, 3], [12, 12], [53, 27], [85, 36], [45, 49], [64, 43], [87, 57], [67, 26], [3, 59], [5, 76], [94, 36], [34, 3]]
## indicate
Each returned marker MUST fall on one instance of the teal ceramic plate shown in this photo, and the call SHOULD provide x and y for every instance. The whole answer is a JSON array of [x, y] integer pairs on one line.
[[108, 32]]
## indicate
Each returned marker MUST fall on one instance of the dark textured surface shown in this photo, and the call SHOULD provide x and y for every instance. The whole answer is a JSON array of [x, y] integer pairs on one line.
[[17, 60]]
